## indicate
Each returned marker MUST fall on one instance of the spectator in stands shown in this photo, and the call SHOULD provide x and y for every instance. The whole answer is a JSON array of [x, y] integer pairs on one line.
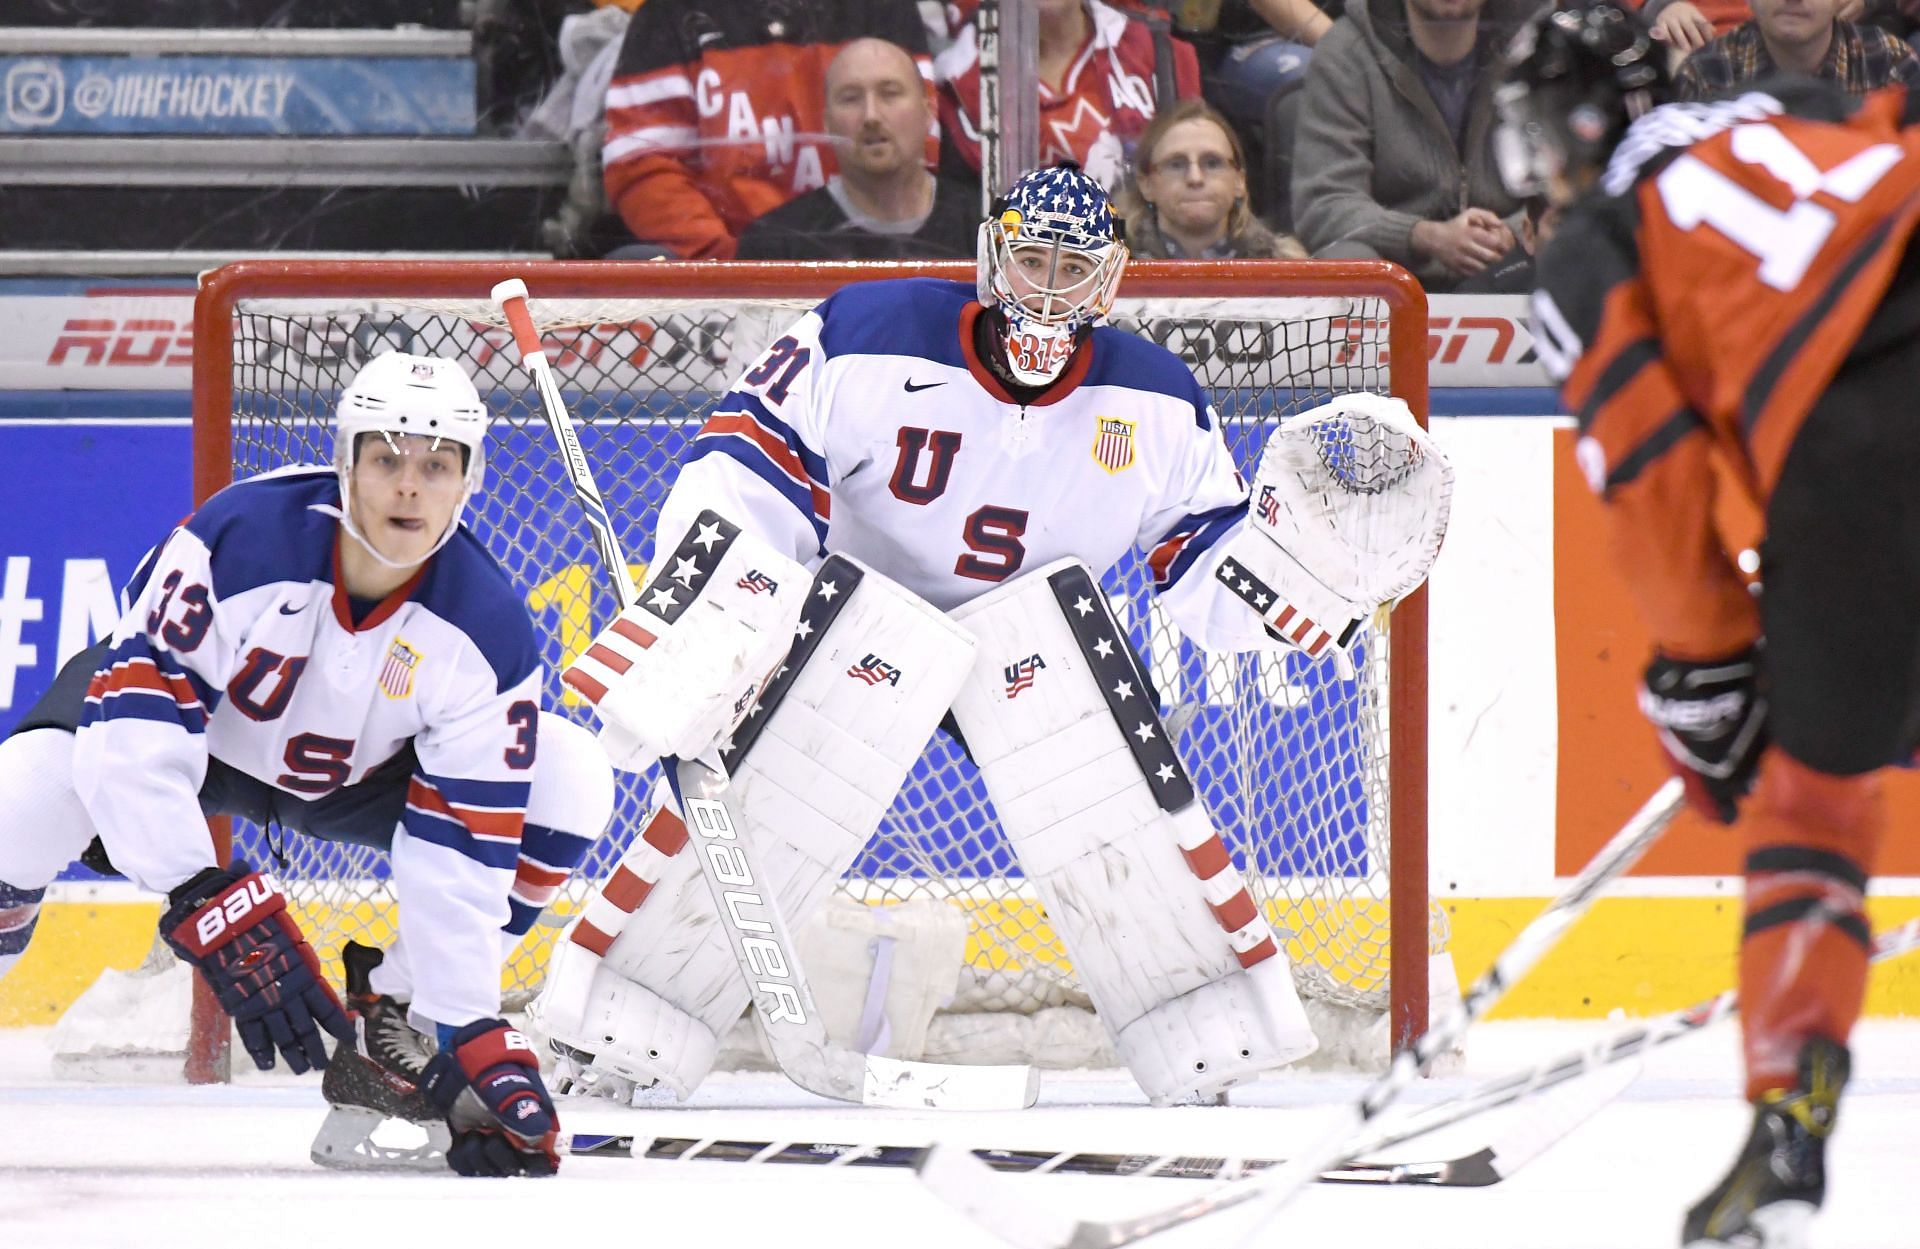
[[1799, 37], [1686, 25], [1393, 156], [1188, 195], [884, 204], [1512, 274], [714, 111], [1103, 72], [1266, 47]]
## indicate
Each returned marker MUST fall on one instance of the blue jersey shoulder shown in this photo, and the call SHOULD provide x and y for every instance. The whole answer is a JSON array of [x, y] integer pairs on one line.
[[918, 317], [466, 587], [1127, 360], [264, 529]]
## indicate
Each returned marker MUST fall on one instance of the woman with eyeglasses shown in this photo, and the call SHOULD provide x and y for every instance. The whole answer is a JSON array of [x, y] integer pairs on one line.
[[1187, 198]]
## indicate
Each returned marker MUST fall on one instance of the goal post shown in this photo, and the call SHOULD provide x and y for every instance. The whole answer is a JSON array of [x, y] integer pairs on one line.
[[1318, 776]]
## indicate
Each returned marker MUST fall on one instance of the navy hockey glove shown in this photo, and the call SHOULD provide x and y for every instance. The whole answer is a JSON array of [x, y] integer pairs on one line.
[[232, 924], [1712, 721], [486, 1081]]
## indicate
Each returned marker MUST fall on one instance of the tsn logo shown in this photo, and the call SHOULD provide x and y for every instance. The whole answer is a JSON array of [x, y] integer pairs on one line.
[[252, 894], [1494, 339]]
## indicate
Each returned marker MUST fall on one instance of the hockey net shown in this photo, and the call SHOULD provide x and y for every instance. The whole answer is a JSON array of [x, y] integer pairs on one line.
[[1315, 774]]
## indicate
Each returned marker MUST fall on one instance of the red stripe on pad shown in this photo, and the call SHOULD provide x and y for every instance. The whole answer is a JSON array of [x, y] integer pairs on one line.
[[589, 688], [625, 889], [665, 833], [610, 657], [1258, 954], [1208, 858], [1236, 912], [632, 632], [588, 937]]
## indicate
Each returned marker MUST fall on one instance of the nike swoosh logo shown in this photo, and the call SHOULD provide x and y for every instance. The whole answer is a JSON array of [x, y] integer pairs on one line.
[[913, 386], [292, 609]]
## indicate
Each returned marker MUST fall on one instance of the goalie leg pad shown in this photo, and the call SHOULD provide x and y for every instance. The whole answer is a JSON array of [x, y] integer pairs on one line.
[[815, 765], [675, 671], [1157, 921]]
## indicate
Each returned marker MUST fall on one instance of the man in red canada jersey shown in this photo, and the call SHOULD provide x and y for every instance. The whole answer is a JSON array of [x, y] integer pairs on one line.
[[715, 114], [1736, 280]]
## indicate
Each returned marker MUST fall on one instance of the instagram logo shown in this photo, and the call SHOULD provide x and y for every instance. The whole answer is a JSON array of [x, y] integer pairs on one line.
[[36, 92]]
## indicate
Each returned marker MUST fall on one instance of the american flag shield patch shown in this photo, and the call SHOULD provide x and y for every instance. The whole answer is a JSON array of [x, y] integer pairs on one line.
[[396, 674], [1113, 443]]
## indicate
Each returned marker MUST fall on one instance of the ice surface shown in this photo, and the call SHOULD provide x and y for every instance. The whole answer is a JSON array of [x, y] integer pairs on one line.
[[132, 1166]]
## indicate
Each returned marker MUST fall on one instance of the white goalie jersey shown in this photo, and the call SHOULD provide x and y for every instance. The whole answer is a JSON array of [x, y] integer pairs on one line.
[[871, 428]]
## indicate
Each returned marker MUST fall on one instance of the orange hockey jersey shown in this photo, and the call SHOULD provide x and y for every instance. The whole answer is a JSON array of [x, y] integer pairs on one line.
[[715, 114], [1699, 301]]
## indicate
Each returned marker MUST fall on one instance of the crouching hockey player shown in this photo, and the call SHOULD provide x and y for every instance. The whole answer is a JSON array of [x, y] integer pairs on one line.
[[930, 441], [332, 651]]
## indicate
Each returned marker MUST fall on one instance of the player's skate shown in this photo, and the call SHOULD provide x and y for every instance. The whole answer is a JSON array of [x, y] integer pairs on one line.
[[377, 1082], [1780, 1178]]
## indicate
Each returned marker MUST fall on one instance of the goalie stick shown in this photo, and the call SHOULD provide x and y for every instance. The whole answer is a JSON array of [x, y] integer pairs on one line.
[[969, 1185], [754, 926]]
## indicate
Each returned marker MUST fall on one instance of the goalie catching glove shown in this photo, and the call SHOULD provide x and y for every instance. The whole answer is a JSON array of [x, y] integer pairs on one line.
[[675, 672], [486, 1081], [1348, 509], [1712, 722], [232, 924]]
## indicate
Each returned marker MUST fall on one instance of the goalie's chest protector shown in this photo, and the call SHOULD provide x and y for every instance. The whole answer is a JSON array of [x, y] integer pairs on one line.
[[312, 700], [943, 482]]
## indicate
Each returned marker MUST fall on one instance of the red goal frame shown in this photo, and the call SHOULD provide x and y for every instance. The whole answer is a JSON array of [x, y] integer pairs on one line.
[[220, 290]]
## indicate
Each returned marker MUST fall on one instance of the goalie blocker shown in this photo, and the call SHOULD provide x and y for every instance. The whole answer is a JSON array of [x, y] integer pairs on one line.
[[644, 984]]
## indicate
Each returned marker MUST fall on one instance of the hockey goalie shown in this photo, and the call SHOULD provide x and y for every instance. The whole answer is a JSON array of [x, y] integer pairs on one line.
[[910, 494]]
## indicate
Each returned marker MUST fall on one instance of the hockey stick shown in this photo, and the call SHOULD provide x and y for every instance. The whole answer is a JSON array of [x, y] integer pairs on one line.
[[1487, 1165], [755, 928], [967, 1184], [511, 296]]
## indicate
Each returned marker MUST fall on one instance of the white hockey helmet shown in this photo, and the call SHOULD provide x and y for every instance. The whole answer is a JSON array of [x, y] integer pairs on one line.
[[398, 393], [1050, 214]]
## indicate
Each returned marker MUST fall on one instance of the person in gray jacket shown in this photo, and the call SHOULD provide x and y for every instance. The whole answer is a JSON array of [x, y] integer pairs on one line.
[[1393, 155]]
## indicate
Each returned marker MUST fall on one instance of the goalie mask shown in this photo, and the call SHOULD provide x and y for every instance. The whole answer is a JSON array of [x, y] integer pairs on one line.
[[1050, 260], [398, 394], [1577, 77]]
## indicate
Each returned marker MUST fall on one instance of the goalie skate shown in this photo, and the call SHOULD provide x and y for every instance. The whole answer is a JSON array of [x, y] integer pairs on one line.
[[377, 1084]]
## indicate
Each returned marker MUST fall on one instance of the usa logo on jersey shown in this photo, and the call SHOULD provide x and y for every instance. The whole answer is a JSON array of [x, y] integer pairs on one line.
[[1021, 675], [396, 674], [1113, 443], [874, 670]]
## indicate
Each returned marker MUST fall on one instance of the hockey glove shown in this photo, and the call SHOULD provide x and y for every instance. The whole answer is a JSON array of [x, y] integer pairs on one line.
[[1712, 722], [486, 1081], [232, 924]]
